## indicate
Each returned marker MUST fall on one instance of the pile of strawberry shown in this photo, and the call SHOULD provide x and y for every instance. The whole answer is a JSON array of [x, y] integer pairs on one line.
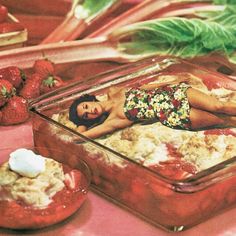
[[16, 89], [5, 25]]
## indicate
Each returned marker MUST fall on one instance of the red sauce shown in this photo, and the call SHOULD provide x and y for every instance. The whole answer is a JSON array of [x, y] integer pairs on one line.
[[175, 167]]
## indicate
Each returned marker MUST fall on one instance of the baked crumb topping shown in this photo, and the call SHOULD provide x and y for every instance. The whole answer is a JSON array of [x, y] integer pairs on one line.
[[38, 191]]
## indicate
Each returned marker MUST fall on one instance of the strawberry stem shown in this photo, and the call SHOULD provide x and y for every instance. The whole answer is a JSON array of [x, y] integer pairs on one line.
[[7, 94], [22, 75], [49, 82]]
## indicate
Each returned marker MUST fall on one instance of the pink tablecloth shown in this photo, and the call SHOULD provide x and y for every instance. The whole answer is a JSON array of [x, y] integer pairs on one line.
[[98, 217]]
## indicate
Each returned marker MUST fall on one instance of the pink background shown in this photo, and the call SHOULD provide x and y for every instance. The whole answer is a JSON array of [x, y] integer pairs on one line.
[[99, 217]]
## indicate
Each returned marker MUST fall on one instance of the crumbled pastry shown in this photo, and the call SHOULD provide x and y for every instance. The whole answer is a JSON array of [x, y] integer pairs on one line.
[[38, 191], [224, 94], [63, 118], [7, 177], [208, 150]]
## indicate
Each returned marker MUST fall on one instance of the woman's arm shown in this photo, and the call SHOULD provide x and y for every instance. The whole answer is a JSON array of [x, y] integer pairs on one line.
[[81, 128], [106, 128], [98, 131]]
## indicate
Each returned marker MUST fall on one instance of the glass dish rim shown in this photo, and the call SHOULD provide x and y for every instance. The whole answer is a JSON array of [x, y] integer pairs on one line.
[[186, 184]]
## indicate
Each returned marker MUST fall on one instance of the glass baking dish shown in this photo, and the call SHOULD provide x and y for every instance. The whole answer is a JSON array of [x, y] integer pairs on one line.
[[174, 194]]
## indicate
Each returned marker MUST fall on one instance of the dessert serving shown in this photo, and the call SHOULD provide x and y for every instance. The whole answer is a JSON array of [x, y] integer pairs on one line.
[[37, 191], [173, 177]]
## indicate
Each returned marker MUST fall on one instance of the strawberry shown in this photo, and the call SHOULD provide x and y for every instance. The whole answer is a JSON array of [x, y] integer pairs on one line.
[[13, 74], [73, 179], [31, 88], [44, 67], [6, 91], [3, 13], [15, 111], [51, 83], [7, 27]]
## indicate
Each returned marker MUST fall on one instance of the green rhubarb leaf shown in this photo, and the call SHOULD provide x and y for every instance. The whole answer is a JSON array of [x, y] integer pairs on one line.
[[220, 13], [95, 7], [227, 17], [224, 2], [185, 38], [232, 58]]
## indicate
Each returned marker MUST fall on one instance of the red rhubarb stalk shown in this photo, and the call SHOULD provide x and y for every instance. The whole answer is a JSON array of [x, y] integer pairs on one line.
[[68, 30], [77, 21], [142, 11], [75, 51]]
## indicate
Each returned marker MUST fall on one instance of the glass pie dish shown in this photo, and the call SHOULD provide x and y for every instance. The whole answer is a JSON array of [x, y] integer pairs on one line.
[[37, 201], [174, 179]]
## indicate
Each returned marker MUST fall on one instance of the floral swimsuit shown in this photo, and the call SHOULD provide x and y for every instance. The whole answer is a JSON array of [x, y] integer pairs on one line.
[[168, 104]]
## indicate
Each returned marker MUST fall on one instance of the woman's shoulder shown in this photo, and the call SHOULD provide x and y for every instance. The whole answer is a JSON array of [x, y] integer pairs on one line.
[[112, 91]]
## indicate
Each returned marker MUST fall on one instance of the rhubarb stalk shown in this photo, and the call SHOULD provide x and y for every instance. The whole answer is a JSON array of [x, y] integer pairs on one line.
[[173, 36], [144, 11], [75, 51], [79, 18]]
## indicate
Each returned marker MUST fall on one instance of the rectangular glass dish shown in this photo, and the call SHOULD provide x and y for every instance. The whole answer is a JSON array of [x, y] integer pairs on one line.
[[174, 179]]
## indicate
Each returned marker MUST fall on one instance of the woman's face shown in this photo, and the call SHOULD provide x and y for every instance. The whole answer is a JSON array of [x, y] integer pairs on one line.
[[89, 110]]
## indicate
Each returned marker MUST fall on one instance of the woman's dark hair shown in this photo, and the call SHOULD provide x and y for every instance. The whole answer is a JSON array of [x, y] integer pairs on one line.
[[73, 116]]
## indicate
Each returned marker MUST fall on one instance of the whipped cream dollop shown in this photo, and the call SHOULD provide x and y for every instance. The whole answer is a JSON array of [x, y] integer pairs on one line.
[[26, 163]]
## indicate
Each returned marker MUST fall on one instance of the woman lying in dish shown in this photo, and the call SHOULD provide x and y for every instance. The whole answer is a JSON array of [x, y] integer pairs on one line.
[[174, 104]]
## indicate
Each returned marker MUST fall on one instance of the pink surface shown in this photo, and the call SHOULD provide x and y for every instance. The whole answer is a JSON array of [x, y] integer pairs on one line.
[[99, 217]]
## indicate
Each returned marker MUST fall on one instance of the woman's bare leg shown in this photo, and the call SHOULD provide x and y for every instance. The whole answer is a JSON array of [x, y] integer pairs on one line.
[[203, 119], [202, 101]]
